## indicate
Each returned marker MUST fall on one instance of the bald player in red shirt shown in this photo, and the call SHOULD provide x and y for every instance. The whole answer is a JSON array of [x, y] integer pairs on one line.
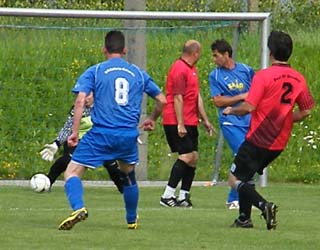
[[272, 97], [181, 116]]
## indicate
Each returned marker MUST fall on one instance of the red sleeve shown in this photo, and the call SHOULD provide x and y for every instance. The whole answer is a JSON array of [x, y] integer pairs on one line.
[[305, 100]]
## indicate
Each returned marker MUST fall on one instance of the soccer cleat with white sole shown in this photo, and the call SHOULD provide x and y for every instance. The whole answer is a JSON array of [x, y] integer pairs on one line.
[[185, 203], [233, 205], [168, 202]]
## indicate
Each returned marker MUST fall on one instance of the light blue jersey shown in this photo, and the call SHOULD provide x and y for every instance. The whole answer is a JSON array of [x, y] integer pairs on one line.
[[226, 82], [118, 89], [232, 82]]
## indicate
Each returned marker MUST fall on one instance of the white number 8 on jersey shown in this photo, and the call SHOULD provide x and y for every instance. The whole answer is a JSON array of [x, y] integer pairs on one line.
[[122, 89]]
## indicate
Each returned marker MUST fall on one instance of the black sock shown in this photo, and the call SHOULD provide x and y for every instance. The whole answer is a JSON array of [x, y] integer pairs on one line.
[[114, 173], [187, 179], [245, 206], [61, 164], [250, 195], [58, 167], [176, 174]]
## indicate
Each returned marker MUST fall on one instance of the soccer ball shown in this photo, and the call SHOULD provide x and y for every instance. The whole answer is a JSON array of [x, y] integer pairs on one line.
[[40, 183]]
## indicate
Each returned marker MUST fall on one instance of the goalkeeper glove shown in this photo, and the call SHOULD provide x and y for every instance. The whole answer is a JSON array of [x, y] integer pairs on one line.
[[48, 151]]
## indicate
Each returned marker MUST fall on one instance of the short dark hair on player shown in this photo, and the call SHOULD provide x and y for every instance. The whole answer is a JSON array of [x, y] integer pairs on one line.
[[280, 45], [222, 46], [114, 41]]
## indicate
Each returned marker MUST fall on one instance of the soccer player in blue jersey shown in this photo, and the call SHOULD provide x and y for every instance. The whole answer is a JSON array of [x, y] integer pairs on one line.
[[118, 88], [229, 84]]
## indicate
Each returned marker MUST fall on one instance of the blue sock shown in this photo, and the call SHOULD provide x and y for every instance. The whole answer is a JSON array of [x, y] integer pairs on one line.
[[233, 195], [130, 196], [74, 192]]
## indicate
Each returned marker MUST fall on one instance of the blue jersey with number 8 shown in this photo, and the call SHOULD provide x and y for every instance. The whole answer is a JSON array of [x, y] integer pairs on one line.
[[118, 88]]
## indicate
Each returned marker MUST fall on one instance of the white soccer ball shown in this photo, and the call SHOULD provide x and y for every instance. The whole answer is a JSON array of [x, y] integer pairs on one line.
[[40, 183]]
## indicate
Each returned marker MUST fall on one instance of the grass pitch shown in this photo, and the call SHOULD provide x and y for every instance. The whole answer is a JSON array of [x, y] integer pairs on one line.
[[30, 221]]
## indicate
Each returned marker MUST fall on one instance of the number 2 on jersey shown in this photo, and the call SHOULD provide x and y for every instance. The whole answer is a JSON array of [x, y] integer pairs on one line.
[[122, 90], [287, 87]]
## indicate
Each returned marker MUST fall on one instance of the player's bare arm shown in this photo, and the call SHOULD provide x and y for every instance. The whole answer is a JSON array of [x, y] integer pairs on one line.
[[243, 109], [300, 115], [149, 123], [78, 110], [224, 101], [178, 107], [203, 115], [160, 102]]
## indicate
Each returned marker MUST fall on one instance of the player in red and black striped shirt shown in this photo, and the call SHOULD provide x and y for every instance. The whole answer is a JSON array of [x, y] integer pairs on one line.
[[272, 97]]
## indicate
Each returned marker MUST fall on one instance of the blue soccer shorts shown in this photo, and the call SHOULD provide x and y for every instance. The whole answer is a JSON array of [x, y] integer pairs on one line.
[[100, 145], [234, 135]]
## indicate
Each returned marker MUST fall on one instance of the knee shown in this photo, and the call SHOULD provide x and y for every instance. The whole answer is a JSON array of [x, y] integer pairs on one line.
[[232, 181], [126, 168], [67, 173], [128, 179], [191, 158], [195, 158], [73, 170]]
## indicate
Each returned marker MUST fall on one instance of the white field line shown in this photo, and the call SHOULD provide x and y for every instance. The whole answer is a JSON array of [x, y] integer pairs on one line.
[[148, 209], [26, 183]]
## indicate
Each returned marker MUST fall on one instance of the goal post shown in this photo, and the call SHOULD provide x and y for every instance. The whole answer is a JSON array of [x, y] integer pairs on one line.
[[262, 17]]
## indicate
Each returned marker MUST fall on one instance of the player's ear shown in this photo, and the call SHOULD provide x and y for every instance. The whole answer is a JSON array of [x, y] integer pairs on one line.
[[104, 51], [125, 50]]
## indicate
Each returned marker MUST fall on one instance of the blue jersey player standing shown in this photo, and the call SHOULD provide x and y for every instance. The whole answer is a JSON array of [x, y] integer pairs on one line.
[[229, 83], [118, 88]]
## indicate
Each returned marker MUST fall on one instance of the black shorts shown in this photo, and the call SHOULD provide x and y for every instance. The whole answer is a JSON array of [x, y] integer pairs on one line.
[[251, 159], [182, 145]]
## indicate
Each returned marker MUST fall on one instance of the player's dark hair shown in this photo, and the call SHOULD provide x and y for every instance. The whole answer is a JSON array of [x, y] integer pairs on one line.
[[221, 46], [114, 41], [280, 45]]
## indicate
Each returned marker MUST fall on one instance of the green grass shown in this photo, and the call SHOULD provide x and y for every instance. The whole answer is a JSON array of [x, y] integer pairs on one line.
[[29, 221]]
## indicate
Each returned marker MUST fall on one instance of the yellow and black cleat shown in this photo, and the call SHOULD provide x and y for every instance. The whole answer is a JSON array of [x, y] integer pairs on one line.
[[77, 216]]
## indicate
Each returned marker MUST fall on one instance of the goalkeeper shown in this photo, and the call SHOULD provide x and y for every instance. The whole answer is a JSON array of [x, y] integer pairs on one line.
[[60, 165]]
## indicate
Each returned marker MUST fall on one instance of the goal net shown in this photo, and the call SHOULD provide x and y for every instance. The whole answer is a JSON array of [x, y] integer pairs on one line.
[[43, 52]]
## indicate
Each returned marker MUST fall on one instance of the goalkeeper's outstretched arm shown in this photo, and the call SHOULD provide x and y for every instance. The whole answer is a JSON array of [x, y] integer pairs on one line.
[[49, 150]]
